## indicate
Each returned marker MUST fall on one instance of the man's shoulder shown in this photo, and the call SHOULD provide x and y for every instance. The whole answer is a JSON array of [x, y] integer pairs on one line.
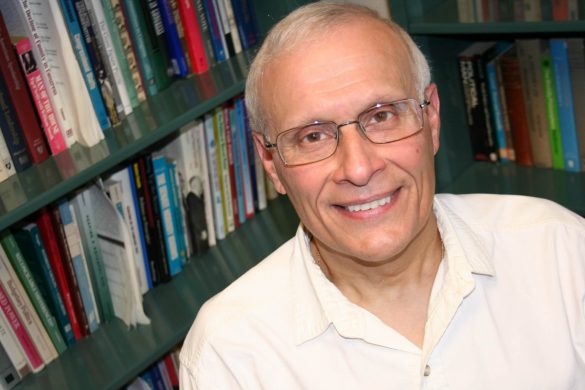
[[514, 211], [259, 293]]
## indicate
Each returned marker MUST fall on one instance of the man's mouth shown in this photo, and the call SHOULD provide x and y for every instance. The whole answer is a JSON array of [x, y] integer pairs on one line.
[[370, 205]]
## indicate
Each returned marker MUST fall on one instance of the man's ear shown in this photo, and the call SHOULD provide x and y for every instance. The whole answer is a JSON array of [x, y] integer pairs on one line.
[[433, 114], [268, 162]]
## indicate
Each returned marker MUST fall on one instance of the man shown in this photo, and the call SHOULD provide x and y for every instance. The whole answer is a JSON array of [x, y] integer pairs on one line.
[[385, 285]]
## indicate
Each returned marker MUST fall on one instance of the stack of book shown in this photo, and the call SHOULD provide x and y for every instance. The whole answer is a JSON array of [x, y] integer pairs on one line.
[[92, 256], [522, 101], [479, 11], [162, 375], [69, 69]]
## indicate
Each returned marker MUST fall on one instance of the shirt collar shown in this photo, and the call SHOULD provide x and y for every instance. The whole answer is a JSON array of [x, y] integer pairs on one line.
[[318, 303]]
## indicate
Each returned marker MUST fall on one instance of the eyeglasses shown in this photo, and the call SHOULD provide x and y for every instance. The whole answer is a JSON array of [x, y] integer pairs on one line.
[[381, 124]]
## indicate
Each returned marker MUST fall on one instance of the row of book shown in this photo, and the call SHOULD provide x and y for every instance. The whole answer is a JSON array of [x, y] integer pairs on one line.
[[522, 101], [162, 375], [92, 256], [70, 69], [479, 11]]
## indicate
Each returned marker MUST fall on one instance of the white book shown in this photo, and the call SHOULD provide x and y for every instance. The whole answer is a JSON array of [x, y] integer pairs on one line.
[[69, 95], [12, 348], [228, 18], [118, 258], [106, 46], [25, 309], [134, 223], [213, 175], [6, 164], [201, 178]]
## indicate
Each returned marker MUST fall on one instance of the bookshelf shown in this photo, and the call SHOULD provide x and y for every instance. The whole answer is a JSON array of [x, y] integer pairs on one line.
[[115, 355], [434, 26]]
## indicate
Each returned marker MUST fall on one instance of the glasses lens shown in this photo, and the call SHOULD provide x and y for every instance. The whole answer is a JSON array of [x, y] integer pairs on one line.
[[391, 121], [307, 144]]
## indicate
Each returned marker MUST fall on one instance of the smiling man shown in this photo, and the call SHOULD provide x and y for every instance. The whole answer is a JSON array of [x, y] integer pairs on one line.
[[385, 285]]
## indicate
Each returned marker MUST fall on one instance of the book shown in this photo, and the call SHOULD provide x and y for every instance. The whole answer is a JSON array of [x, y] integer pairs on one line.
[[159, 50], [12, 349], [30, 243], [528, 51], [472, 68], [25, 310], [127, 197], [205, 32], [6, 164], [81, 53], [69, 269], [199, 184], [175, 48], [85, 216], [576, 53], [228, 26], [128, 50], [516, 107], [8, 374], [103, 28], [12, 132], [74, 246], [22, 270], [20, 98], [179, 212], [564, 100], [246, 23], [233, 165], [193, 38], [25, 342], [213, 175], [49, 237], [166, 206], [223, 168], [243, 142], [216, 34], [551, 107]]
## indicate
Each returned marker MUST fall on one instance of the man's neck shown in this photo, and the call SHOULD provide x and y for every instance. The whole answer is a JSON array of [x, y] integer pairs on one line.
[[398, 290]]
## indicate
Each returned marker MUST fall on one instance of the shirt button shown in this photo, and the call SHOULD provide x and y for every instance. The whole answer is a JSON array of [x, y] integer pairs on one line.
[[427, 370]]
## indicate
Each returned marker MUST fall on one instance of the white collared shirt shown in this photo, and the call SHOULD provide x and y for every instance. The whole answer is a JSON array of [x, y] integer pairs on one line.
[[507, 311]]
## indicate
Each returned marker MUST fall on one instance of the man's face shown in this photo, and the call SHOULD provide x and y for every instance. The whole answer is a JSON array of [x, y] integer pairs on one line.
[[368, 201]]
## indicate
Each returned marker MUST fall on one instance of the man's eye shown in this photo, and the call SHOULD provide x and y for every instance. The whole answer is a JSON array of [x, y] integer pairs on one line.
[[381, 116], [313, 136]]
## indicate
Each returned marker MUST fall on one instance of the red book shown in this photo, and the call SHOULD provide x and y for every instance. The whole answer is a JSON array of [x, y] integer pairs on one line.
[[17, 90], [174, 378], [49, 239], [193, 37], [560, 10], [28, 348]]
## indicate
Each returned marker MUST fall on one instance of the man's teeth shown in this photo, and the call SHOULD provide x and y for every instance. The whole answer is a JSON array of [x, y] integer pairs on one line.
[[370, 205]]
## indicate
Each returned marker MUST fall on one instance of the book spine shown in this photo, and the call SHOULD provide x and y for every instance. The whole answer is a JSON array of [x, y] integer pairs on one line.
[[105, 43], [193, 38], [137, 29], [178, 211], [205, 32], [173, 42], [200, 148], [223, 169], [226, 33], [156, 34], [128, 50], [229, 19], [9, 376], [238, 158], [162, 260], [254, 159], [6, 164], [216, 35], [12, 132], [49, 238], [233, 164], [29, 238], [219, 221], [84, 215], [19, 96], [12, 348], [576, 53], [496, 111], [27, 346], [40, 96], [73, 242], [245, 159], [566, 111], [69, 269], [25, 310], [246, 23], [161, 175], [23, 272], [552, 114]]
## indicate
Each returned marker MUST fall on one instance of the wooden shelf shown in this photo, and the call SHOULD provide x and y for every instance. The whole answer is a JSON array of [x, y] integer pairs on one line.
[[115, 355]]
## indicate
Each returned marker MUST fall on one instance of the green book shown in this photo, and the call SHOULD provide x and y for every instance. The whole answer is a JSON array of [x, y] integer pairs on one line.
[[550, 103], [82, 205], [23, 272]]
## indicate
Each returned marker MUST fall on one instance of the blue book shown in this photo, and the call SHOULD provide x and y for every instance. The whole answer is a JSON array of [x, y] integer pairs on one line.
[[30, 242], [178, 215], [246, 23], [164, 192], [12, 132], [176, 53], [495, 101], [251, 155], [82, 55], [565, 107], [73, 242], [245, 158], [216, 34], [237, 158]]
